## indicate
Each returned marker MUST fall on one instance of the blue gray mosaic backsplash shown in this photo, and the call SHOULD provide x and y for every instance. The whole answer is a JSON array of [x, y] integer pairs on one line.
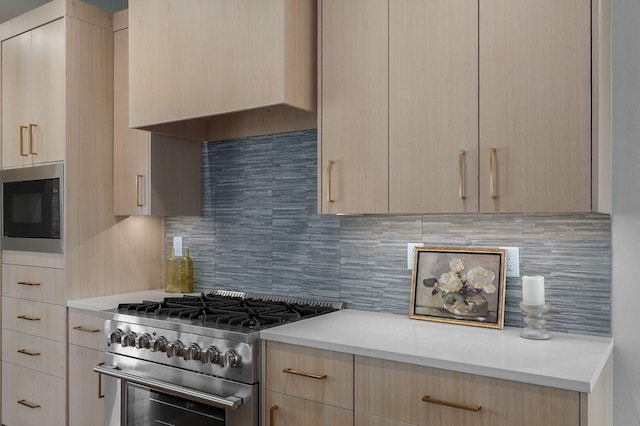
[[260, 232]]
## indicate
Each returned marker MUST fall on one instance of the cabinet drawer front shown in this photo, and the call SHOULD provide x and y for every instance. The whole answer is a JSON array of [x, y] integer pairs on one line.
[[289, 411], [36, 353], [38, 319], [86, 329], [33, 283], [31, 398], [314, 374], [397, 391], [86, 388], [362, 419]]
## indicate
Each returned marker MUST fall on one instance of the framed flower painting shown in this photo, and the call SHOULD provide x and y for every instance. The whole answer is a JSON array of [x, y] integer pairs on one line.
[[459, 285]]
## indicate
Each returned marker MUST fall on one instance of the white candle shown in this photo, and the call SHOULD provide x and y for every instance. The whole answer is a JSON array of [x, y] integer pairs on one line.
[[533, 290]]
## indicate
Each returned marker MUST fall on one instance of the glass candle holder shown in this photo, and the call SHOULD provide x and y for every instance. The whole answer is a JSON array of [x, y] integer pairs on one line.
[[535, 321]]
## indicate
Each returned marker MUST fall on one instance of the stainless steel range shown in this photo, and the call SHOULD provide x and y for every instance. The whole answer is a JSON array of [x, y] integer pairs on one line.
[[191, 360]]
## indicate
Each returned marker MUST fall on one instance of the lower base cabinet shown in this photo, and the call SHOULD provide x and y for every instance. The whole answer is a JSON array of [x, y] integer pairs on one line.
[[291, 411]]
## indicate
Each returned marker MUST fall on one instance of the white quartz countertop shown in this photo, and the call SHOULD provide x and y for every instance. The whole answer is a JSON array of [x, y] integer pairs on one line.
[[567, 361], [109, 302]]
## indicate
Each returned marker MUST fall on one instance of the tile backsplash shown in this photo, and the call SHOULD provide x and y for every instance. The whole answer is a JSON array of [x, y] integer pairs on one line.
[[260, 232]]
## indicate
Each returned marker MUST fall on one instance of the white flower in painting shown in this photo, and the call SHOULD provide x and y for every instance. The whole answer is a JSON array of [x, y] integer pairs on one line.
[[482, 279], [450, 282], [456, 265]]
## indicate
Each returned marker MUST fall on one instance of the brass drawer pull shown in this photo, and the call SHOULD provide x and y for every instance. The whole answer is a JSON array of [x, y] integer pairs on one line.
[[28, 404], [272, 415], [475, 408], [28, 318], [492, 173], [329, 168], [300, 373], [462, 157], [28, 352], [29, 283], [22, 128], [31, 151], [138, 202], [86, 330]]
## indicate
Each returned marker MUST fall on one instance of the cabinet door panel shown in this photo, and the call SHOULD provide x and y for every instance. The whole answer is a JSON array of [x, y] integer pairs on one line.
[[433, 106], [535, 105], [292, 411], [86, 392], [354, 119]]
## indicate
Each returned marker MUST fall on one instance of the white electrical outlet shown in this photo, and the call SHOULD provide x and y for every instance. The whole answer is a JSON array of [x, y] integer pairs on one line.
[[410, 247], [513, 261]]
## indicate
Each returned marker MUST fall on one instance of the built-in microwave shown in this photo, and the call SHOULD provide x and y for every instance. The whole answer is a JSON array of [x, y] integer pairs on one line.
[[32, 208]]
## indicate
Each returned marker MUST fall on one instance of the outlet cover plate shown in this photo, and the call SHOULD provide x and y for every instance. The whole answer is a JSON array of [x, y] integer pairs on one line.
[[513, 261]]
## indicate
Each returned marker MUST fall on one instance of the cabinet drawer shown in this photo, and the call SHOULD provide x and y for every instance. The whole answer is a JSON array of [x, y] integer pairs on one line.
[[33, 283], [36, 353], [30, 398], [86, 329], [86, 388], [38, 319], [362, 419], [289, 411], [313, 374], [397, 391]]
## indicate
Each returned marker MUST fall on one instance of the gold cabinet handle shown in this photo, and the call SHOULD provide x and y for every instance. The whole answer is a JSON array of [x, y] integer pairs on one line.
[[31, 151], [492, 176], [272, 415], [300, 373], [86, 330], [28, 283], [28, 352], [430, 400], [462, 156], [100, 394], [28, 404], [329, 168], [138, 179], [28, 318], [22, 128]]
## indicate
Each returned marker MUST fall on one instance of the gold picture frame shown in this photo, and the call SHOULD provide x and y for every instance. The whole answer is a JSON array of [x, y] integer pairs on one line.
[[459, 286]]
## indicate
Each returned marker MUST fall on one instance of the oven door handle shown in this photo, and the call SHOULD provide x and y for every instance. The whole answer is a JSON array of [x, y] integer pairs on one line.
[[230, 402]]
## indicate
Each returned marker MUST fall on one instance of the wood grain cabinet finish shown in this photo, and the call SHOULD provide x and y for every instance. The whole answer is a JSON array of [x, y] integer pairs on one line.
[[153, 174], [86, 349], [220, 58], [307, 386], [397, 392], [33, 83], [461, 106]]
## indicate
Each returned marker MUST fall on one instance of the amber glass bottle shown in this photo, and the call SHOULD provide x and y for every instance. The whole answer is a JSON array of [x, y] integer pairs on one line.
[[171, 274]]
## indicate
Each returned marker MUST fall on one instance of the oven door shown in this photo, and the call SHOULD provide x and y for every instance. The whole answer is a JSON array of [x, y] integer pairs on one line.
[[142, 393]]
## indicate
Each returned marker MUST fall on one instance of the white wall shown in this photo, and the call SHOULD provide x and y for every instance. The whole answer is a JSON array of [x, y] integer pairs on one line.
[[626, 211]]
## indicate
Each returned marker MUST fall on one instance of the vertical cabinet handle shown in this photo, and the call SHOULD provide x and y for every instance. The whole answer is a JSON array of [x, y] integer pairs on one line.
[[100, 394], [138, 185], [329, 168], [272, 415], [22, 129], [28, 404], [31, 151], [492, 175], [462, 156]]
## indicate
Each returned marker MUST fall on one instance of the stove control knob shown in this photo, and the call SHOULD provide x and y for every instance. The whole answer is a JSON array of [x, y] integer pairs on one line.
[[210, 355], [229, 359], [143, 341], [158, 345], [115, 336], [129, 339], [191, 352], [174, 349]]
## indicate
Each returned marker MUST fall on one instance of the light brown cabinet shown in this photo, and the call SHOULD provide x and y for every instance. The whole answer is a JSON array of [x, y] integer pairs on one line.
[[86, 349], [459, 107], [308, 386], [221, 65], [33, 82], [153, 174]]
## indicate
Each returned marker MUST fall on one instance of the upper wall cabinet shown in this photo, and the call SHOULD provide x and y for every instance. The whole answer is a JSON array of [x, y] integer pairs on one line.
[[446, 106], [33, 87], [193, 69], [153, 174]]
